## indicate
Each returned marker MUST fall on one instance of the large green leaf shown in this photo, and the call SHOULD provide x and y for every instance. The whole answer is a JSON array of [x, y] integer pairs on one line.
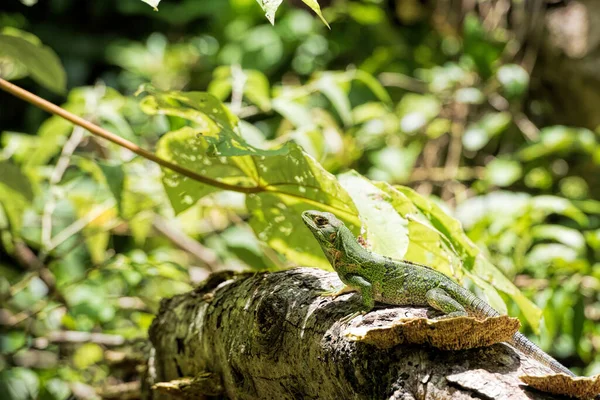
[[210, 118], [289, 183], [41, 62], [387, 230], [471, 263]]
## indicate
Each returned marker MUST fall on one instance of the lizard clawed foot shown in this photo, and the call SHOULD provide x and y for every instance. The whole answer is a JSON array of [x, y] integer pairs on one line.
[[350, 317], [456, 314], [336, 291]]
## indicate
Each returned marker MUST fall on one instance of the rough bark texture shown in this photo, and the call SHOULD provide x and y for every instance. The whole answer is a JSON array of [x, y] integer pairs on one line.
[[270, 336]]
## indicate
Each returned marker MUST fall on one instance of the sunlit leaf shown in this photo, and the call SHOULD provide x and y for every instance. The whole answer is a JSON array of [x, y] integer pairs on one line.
[[562, 234], [291, 183], [16, 193], [560, 140], [387, 230], [270, 7], [316, 8], [86, 355], [254, 84], [294, 112], [41, 62], [502, 172], [19, 384], [153, 3], [488, 272], [478, 134], [114, 178], [416, 111], [332, 88], [211, 119], [514, 80]]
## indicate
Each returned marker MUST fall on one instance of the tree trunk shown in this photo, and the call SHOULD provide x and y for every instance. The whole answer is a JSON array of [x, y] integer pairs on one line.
[[271, 336], [567, 71]]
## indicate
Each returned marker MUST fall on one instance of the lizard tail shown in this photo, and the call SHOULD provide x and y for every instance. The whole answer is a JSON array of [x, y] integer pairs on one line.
[[483, 310], [524, 345]]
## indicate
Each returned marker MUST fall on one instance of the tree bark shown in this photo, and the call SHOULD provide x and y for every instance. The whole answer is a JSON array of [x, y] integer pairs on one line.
[[271, 336], [567, 72]]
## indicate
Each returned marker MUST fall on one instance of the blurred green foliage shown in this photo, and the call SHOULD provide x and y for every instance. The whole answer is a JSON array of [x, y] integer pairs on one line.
[[390, 120]]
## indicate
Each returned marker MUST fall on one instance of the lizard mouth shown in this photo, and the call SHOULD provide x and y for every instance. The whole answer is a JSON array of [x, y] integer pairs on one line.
[[308, 219]]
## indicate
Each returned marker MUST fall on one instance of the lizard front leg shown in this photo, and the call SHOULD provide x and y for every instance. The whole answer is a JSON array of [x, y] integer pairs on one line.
[[366, 291], [440, 300]]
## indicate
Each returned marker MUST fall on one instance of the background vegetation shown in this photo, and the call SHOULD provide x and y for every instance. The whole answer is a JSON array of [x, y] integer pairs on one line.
[[397, 118]]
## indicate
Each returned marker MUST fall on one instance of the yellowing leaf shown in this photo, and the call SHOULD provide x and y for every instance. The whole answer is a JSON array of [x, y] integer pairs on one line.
[[86, 355], [317, 9]]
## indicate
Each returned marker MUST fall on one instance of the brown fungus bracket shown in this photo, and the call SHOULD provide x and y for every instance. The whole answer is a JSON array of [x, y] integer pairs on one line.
[[580, 387], [460, 333]]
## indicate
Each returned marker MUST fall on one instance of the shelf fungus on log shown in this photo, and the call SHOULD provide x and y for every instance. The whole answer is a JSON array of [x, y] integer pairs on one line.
[[580, 387], [459, 333]]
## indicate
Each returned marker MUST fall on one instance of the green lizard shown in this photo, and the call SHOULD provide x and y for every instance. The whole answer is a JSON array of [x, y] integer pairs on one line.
[[390, 281]]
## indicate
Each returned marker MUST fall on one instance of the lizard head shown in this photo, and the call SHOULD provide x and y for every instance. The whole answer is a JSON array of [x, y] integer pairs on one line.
[[323, 225]]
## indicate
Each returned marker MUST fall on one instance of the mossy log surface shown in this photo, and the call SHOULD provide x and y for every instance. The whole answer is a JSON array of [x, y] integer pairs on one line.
[[271, 336]]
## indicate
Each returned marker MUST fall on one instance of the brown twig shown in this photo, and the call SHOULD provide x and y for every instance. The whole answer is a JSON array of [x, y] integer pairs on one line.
[[98, 131], [203, 254]]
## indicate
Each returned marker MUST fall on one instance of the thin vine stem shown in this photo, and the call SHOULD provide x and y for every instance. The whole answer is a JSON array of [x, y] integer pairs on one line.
[[103, 133]]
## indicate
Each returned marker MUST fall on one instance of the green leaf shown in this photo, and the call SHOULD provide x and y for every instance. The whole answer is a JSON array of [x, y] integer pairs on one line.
[[294, 175], [560, 140], [19, 384], [542, 255], [562, 234], [153, 3], [294, 112], [210, 118], [416, 110], [114, 178], [374, 85], [287, 185], [18, 145], [16, 193], [558, 205], [186, 148], [448, 226], [478, 134], [12, 178], [337, 95], [488, 272], [387, 231], [87, 355], [503, 173], [315, 7], [474, 263], [256, 87], [270, 8], [514, 80], [41, 62]]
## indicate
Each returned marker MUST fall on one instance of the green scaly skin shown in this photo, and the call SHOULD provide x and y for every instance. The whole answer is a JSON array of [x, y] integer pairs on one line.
[[389, 281]]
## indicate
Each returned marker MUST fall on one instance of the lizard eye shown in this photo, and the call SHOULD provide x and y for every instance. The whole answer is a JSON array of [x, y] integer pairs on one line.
[[320, 221]]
